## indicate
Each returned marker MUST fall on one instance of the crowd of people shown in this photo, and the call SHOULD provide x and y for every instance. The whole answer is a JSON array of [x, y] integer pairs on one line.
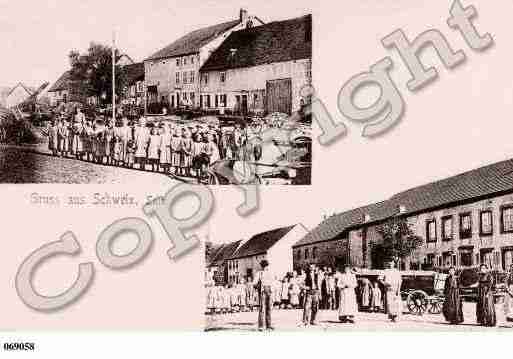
[[327, 289], [166, 146], [311, 290]]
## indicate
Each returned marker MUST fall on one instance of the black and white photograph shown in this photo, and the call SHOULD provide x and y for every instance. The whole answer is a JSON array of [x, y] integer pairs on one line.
[[433, 257], [222, 104]]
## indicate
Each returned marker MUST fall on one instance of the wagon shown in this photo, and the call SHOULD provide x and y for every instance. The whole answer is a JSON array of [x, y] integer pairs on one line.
[[422, 290]]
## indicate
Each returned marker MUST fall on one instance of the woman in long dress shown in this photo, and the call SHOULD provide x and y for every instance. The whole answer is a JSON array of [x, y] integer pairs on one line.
[[453, 306], [348, 306], [77, 146], [295, 289], [187, 150], [485, 308], [142, 137], [508, 297], [365, 294], [392, 282]]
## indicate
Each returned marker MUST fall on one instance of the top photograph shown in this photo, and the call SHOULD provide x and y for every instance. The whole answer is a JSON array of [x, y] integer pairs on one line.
[[222, 104]]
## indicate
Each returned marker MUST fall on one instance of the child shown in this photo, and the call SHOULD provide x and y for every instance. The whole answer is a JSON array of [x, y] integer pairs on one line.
[[153, 149], [376, 299], [187, 149], [165, 148], [176, 147]]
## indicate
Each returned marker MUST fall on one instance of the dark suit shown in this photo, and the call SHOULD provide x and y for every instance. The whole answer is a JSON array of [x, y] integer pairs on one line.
[[311, 298]]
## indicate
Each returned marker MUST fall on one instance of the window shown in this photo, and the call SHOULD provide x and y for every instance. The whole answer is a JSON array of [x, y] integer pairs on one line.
[[184, 96], [465, 225], [191, 77], [192, 97], [192, 60], [205, 79], [178, 62], [184, 61], [306, 253], [314, 252], [223, 77], [447, 228], [431, 230], [486, 224], [184, 77], [298, 254], [430, 259], [507, 219], [177, 77]]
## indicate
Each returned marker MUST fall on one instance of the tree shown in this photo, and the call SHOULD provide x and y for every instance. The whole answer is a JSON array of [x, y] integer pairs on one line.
[[91, 73], [399, 241]]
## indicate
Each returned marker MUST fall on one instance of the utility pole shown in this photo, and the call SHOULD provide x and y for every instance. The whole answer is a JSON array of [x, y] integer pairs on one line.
[[114, 77]]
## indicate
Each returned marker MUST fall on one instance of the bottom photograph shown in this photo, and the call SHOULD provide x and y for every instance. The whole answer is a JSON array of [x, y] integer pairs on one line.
[[429, 258]]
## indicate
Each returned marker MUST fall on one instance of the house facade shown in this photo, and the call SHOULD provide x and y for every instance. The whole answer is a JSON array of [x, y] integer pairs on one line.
[[274, 246], [60, 92], [134, 91], [260, 70], [217, 262], [465, 221], [172, 73]]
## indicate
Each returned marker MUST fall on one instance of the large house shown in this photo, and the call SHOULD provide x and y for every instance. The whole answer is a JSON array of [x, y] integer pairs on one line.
[[260, 69], [172, 73], [274, 245], [465, 220]]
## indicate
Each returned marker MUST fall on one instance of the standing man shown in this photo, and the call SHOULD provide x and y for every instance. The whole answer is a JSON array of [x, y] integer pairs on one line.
[[263, 285], [311, 305]]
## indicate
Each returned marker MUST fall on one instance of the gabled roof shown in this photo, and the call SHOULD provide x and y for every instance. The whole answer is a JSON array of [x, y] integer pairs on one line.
[[224, 252], [62, 83], [260, 243], [134, 72], [483, 182], [193, 41], [277, 41]]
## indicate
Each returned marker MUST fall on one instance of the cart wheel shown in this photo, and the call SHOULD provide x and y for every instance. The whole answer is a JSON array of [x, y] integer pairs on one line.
[[417, 302], [436, 306]]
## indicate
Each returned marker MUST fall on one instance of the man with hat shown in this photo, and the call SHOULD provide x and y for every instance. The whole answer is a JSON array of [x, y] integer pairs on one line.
[[263, 285]]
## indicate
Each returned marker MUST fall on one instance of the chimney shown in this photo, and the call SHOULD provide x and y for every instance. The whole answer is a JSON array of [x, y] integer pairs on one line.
[[243, 16], [402, 209], [367, 218]]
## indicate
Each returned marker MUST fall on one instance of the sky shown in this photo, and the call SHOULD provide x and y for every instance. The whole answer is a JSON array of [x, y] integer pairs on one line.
[[461, 121], [37, 36]]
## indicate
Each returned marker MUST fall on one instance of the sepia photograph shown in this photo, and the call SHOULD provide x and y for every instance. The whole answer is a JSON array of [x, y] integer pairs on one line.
[[221, 104], [433, 257]]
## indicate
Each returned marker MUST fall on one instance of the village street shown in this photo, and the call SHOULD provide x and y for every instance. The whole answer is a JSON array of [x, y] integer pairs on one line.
[[289, 320]]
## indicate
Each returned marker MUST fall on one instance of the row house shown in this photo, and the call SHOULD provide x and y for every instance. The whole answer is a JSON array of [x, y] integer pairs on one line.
[[172, 73], [260, 69], [134, 90], [274, 245], [217, 262], [464, 220]]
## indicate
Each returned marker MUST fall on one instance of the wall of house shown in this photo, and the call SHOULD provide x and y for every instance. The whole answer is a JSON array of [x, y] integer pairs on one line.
[[162, 73], [238, 268], [280, 255], [448, 252], [324, 254], [254, 80], [16, 97]]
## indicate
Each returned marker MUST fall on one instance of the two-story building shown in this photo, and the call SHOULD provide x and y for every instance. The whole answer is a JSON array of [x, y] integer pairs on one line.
[[134, 90], [464, 220], [172, 73], [274, 245], [260, 69]]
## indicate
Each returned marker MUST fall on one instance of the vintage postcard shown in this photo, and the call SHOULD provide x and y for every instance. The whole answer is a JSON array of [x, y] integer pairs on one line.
[[157, 177]]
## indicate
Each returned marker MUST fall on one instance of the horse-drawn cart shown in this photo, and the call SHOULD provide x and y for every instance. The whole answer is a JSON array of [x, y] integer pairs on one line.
[[421, 290]]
